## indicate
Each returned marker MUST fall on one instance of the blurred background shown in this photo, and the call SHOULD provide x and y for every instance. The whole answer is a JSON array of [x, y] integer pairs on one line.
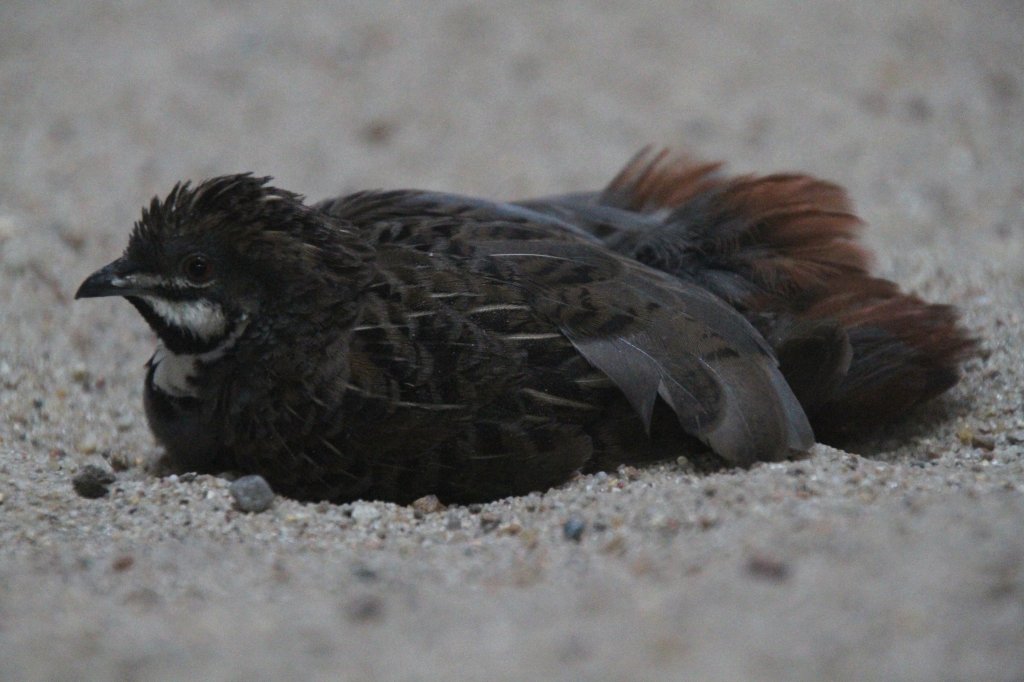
[[103, 104]]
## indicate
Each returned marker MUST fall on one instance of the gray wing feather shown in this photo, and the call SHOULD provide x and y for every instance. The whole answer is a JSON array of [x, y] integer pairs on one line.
[[656, 336]]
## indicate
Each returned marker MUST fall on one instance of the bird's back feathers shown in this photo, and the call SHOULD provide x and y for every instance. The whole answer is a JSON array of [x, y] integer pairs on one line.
[[651, 334]]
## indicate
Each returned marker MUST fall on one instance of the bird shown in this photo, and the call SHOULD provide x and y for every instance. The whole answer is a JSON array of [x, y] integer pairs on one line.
[[392, 344]]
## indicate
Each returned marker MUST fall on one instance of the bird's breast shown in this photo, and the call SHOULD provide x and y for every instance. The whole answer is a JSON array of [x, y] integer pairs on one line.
[[174, 374]]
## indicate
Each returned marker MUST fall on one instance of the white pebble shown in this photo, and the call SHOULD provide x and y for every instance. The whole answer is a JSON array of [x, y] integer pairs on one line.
[[89, 443], [364, 512]]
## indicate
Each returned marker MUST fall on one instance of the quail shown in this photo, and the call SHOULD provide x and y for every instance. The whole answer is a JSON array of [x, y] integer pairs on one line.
[[395, 344]]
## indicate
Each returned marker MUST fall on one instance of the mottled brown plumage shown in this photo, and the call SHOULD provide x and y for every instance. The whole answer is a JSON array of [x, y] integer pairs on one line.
[[396, 344], [781, 249]]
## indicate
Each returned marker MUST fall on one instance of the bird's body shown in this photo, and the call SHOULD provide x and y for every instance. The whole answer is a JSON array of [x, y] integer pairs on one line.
[[395, 344]]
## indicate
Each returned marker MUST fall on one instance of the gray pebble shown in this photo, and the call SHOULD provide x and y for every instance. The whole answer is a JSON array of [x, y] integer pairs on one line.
[[984, 442], [573, 528], [365, 573], [453, 522], [365, 608], [252, 494], [93, 481], [489, 521], [767, 567]]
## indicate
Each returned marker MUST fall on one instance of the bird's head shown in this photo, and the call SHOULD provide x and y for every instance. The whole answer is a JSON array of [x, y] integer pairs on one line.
[[207, 259]]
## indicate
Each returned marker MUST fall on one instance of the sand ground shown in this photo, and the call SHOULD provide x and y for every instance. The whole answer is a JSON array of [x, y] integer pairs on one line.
[[902, 559]]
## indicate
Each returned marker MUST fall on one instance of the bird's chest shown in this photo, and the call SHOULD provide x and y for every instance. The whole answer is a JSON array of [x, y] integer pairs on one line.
[[174, 375], [181, 408]]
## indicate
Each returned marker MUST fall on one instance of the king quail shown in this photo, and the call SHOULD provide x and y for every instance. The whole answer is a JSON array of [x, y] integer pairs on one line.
[[391, 345]]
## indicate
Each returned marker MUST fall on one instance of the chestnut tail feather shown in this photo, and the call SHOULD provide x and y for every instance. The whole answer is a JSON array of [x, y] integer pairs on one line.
[[782, 249]]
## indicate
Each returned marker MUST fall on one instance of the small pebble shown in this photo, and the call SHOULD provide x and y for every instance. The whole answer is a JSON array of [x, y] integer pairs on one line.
[[365, 573], [252, 494], [378, 131], [1015, 437], [93, 481], [767, 568], [686, 465], [630, 473], [124, 421], [489, 521], [364, 512], [573, 528], [510, 529], [428, 504], [120, 461], [89, 443], [365, 608], [983, 442], [80, 373], [453, 522], [616, 546], [707, 521]]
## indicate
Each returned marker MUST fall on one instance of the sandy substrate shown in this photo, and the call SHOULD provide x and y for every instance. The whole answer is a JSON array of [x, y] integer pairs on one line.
[[902, 559]]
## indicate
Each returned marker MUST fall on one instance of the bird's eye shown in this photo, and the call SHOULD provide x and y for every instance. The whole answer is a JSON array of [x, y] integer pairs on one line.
[[197, 268]]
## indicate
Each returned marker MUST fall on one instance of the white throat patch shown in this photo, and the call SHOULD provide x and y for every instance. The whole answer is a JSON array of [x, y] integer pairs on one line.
[[203, 318], [175, 374]]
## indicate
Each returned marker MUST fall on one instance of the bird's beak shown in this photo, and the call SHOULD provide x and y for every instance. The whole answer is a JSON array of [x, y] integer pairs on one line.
[[116, 279]]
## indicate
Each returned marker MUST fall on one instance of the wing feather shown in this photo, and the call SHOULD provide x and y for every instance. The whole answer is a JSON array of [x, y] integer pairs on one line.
[[655, 336]]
